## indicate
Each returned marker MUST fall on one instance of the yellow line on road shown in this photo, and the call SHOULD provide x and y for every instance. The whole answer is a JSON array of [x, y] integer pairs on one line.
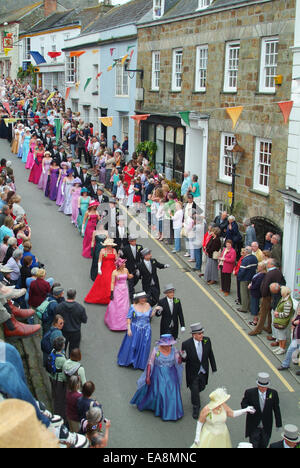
[[224, 312]]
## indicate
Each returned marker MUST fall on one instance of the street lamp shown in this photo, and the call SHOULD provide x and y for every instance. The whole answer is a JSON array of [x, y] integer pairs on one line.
[[235, 152]]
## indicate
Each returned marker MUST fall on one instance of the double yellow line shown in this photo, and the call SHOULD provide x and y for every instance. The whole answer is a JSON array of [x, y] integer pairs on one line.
[[224, 312]]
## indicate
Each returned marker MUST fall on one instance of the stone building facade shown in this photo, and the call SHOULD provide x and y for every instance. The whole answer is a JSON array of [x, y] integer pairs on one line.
[[225, 52]]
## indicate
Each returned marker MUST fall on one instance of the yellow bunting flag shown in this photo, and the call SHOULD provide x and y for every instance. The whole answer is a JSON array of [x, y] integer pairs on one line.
[[49, 97], [110, 68], [77, 85], [95, 51], [124, 59], [8, 121], [6, 52], [107, 121], [234, 113]]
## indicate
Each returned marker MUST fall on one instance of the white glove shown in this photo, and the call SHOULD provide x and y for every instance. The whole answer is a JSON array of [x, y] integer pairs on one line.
[[249, 409], [99, 268], [57, 183], [44, 172], [182, 329], [167, 266], [198, 432]]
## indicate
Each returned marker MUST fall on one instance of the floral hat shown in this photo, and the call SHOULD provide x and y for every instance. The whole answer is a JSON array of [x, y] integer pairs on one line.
[[166, 340]]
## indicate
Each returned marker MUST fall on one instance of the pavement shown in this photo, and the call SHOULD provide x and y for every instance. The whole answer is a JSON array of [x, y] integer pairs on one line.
[[239, 357]]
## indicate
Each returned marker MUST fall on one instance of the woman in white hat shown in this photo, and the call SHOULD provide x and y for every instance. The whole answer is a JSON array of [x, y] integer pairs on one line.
[[100, 292], [26, 144], [212, 431], [45, 171]]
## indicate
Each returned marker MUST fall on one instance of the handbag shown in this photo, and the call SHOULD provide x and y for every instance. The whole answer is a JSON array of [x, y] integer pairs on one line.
[[216, 254]]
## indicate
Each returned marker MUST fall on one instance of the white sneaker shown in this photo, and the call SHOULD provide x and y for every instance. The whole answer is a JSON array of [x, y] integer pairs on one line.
[[280, 351], [275, 349], [186, 255]]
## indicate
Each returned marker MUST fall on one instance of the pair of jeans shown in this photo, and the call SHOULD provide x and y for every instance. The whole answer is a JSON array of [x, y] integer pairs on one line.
[[177, 237], [198, 258], [289, 354], [73, 150]]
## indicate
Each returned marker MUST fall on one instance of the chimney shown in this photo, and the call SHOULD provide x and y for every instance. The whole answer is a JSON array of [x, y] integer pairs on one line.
[[50, 7]]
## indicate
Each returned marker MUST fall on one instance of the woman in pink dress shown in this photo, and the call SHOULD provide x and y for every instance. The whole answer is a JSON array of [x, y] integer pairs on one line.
[[117, 310], [30, 157], [92, 218], [75, 194], [36, 170], [101, 290], [45, 171]]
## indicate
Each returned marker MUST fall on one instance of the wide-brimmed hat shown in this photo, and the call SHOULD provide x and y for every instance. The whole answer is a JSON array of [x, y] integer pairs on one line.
[[218, 397], [120, 262], [291, 433], [94, 203], [169, 287], [77, 181], [166, 340], [20, 428], [5, 269], [196, 328], [263, 379], [109, 242], [140, 295], [47, 152], [84, 189], [64, 164]]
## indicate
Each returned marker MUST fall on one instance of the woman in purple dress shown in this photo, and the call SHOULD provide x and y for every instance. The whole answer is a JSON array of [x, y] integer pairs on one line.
[[51, 189], [116, 313], [45, 171], [61, 177]]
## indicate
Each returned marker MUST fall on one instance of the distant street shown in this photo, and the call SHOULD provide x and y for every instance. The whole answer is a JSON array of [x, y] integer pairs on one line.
[[239, 358]]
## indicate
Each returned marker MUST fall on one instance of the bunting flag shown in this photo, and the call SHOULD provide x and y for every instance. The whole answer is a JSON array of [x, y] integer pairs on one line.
[[54, 54], [6, 107], [109, 68], [115, 63], [77, 53], [185, 117], [87, 83], [98, 76], [49, 97], [124, 59], [95, 51], [138, 118], [112, 49], [286, 108], [77, 85], [38, 58], [57, 130], [131, 54], [8, 121], [107, 121], [34, 104], [130, 47], [67, 93], [6, 51], [234, 113]]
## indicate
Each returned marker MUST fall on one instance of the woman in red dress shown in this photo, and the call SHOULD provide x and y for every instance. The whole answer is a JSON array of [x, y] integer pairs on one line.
[[100, 292], [92, 218], [37, 167], [129, 173]]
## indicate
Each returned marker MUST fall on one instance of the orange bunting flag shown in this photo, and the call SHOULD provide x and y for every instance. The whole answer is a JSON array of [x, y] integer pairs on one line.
[[234, 113], [138, 118], [67, 93], [124, 59], [77, 53], [107, 121], [77, 85], [110, 68], [95, 51], [286, 108]]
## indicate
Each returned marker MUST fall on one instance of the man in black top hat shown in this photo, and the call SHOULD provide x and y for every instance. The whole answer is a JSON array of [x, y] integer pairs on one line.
[[170, 311], [197, 353], [148, 272], [132, 253]]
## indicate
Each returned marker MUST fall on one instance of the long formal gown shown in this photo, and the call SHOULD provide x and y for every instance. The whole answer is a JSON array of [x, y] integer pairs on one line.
[[214, 433], [15, 143], [84, 204], [116, 313], [163, 395], [36, 170], [88, 235], [20, 150], [75, 194], [100, 291], [44, 176], [60, 197], [30, 156], [51, 190], [99, 239], [66, 206], [135, 349], [26, 148]]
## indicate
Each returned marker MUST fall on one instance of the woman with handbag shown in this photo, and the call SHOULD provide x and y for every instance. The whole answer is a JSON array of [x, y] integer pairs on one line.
[[226, 266], [213, 252], [281, 318]]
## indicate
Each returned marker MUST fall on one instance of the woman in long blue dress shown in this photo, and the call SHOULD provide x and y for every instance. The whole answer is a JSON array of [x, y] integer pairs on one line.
[[26, 145], [159, 386], [136, 345], [83, 204]]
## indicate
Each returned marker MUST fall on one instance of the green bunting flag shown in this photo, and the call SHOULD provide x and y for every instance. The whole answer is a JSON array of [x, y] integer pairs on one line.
[[185, 117], [34, 105], [57, 130], [87, 83], [130, 47]]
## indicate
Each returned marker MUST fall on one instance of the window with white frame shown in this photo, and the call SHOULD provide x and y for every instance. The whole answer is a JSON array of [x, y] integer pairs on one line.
[[75, 104], [225, 172], [201, 67], [220, 207], [262, 165], [231, 66], [155, 70], [27, 46], [71, 69], [122, 81], [86, 113], [203, 4], [268, 64], [158, 8], [177, 70]]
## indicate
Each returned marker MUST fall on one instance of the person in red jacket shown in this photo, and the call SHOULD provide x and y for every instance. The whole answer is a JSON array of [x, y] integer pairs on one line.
[[226, 266], [39, 289]]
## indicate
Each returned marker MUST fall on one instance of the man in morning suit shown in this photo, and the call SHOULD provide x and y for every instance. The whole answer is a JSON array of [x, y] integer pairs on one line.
[[266, 402], [290, 438], [170, 311], [148, 271], [197, 353], [132, 253]]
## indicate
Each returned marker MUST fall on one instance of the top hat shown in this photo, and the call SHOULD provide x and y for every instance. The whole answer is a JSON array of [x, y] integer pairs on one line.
[[132, 237], [263, 379], [217, 398], [196, 328], [291, 433], [113, 200], [145, 252], [169, 287]]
